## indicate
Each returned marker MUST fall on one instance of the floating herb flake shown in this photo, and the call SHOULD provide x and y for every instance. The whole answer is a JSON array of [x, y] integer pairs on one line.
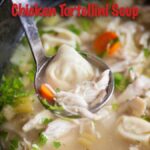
[[35, 147], [46, 121], [146, 52], [115, 106], [56, 144], [42, 139]]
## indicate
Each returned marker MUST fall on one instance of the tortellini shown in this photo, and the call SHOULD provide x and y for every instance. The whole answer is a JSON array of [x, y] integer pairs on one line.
[[68, 68], [135, 129]]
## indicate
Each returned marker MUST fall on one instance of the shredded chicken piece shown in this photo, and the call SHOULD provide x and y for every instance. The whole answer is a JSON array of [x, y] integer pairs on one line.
[[136, 107], [56, 130], [77, 100], [37, 121], [135, 89]]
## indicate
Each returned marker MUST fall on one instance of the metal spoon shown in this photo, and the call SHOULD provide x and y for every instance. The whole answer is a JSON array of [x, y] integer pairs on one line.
[[42, 61]]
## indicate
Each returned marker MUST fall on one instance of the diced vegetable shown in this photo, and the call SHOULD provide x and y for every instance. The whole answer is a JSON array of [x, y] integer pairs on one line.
[[74, 29], [106, 42], [42, 139], [25, 105], [146, 52], [46, 92], [56, 144], [121, 82]]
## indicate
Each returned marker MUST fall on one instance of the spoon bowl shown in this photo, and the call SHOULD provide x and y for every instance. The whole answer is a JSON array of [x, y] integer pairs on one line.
[[42, 62]]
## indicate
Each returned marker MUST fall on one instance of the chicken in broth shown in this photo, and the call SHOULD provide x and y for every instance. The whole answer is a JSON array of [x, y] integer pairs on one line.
[[122, 124]]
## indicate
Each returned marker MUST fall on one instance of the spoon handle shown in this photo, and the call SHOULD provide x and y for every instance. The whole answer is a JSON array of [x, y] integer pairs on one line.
[[34, 40]]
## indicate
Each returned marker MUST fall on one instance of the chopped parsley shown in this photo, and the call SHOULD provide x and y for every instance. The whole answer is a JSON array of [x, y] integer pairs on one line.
[[14, 144], [51, 107], [56, 144], [31, 73], [78, 49], [57, 90], [85, 23], [46, 121], [42, 139], [146, 52], [103, 54], [121, 82], [115, 106], [74, 29], [12, 88]]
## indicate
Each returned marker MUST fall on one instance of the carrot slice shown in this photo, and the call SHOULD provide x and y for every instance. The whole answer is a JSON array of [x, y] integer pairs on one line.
[[101, 42], [113, 49], [46, 92]]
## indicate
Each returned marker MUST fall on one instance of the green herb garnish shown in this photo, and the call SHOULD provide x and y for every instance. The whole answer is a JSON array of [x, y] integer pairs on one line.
[[114, 41], [115, 106], [74, 29], [42, 139], [84, 54], [14, 144], [85, 24], [47, 121], [103, 54], [35, 147], [51, 107], [12, 87], [57, 90], [78, 47], [31, 73], [121, 82], [56, 144], [146, 52]]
